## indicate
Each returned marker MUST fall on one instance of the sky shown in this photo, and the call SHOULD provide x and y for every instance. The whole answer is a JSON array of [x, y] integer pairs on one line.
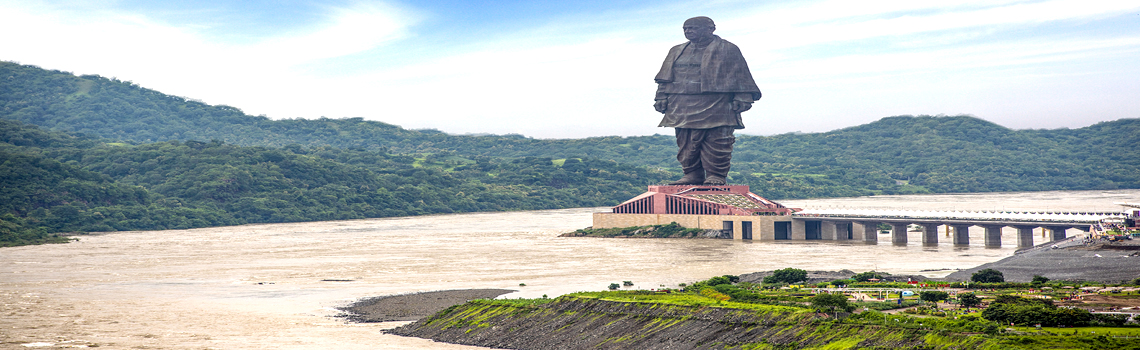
[[563, 69]]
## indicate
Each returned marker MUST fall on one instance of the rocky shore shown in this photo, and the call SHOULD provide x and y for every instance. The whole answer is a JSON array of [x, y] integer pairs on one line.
[[1069, 259], [587, 323], [411, 307]]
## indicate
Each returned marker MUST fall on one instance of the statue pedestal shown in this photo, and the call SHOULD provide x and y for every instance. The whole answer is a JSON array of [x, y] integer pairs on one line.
[[723, 207]]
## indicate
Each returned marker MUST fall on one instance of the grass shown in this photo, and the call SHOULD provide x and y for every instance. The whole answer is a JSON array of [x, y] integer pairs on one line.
[[824, 332], [1110, 331], [681, 299]]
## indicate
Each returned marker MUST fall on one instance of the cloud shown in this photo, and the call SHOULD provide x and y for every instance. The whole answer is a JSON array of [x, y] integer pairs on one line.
[[822, 64], [184, 60]]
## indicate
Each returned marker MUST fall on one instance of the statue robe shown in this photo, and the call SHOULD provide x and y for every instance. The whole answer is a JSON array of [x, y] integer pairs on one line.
[[702, 98]]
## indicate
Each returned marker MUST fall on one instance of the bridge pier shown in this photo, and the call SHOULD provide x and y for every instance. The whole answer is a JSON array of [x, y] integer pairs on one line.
[[839, 227], [929, 233], [842, 230], [1057, 232], [1025, 236], [898, 233], [827, 230], [961, 234], [870, 231], [993, 235]]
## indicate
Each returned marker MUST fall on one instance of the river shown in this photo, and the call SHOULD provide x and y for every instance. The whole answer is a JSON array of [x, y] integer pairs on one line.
[[276, 285]]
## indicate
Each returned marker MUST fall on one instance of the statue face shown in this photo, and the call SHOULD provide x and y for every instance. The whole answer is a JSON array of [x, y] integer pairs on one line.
[[696, 31]]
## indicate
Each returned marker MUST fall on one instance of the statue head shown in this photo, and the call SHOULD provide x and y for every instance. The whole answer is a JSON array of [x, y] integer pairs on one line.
[[699, 29]]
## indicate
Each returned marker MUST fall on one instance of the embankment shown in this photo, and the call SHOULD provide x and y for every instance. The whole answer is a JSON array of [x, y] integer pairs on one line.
[[411, 307], [572, 322]]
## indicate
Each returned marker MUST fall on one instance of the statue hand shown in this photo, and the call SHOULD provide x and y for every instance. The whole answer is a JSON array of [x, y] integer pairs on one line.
[[741, 106], [660, 105]]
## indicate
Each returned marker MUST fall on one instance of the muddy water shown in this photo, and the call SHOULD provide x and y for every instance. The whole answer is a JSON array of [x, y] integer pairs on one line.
[[275, 286]]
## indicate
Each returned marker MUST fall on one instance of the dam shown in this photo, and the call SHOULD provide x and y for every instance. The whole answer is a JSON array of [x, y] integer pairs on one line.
[[735, 209]]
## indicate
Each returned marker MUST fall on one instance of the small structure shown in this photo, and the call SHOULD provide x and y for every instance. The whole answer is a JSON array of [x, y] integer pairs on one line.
[[726, 207], [1131, 215]]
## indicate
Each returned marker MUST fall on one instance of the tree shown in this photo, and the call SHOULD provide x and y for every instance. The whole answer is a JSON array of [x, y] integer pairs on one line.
[[933, 296], [718, 280], [969, 300], [788, 275], [1039, 280], [1028, 311], [988, 276], [866, 276], [832, 302]]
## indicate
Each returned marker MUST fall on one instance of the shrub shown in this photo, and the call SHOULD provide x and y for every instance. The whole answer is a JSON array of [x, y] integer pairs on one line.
[[788, 275], [832, 302], [988, 276], [969, 300], [866, 276], [933, 296], [614, 286], [1022, 311], [843, 282], [718, 280], [1109, 319], [712, 293]]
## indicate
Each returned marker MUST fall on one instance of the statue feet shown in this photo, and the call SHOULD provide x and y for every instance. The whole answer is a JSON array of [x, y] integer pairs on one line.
[[714, 180], [689, 179]]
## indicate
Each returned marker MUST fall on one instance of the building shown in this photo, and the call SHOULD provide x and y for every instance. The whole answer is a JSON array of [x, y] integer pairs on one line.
[[729, 207]]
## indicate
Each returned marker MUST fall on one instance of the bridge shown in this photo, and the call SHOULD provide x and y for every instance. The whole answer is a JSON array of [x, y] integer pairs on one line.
[[733, 208], [850, 224]]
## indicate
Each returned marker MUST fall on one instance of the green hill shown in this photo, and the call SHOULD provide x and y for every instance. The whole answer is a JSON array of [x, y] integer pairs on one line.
[[111, 155], [55, 182], [894, 155]]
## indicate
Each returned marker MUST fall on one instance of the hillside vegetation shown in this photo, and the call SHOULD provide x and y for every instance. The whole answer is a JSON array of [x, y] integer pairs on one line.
[[724, 313], [88, 153], [55, 182]]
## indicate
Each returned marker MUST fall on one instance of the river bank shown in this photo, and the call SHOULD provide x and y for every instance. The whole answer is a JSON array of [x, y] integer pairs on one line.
[[414, 306], [1066, 260], [582, 320]]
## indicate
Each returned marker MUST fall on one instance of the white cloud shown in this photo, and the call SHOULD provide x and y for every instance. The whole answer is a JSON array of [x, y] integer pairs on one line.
[[580, 77], [183, 60]]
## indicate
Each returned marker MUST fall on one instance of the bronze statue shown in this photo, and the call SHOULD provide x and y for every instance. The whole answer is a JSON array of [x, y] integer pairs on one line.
[[702, 88]]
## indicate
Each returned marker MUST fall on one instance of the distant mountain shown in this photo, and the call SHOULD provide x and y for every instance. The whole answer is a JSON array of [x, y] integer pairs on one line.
[[895, 155]]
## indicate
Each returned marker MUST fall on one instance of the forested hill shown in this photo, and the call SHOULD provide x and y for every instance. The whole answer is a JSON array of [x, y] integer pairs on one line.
[[893, 155], [54, 182]]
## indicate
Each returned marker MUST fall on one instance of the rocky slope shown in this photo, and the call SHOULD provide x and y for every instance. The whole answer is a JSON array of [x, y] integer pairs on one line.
[[588, 323]]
